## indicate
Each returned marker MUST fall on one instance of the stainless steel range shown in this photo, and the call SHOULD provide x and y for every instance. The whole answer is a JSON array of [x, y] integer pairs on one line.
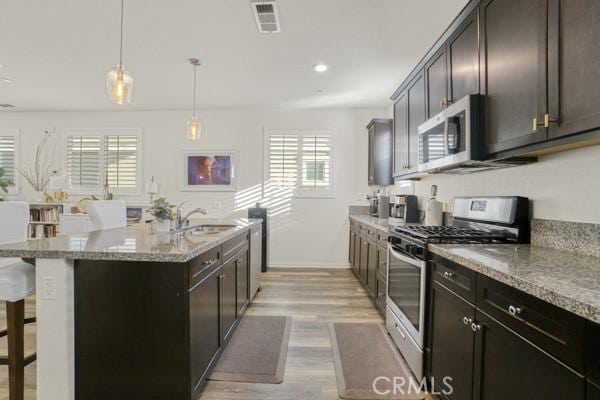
[[476, 220]]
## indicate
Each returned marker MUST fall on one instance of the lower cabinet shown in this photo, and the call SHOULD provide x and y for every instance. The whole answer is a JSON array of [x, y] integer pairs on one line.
[[372, 259], [229, 297], [242, 276], [452, 343], [205, 326], [593, 392], [363, 267], [381, 298]]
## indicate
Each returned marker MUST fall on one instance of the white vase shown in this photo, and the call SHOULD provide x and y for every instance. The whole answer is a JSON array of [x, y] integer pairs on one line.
[[163, 226]]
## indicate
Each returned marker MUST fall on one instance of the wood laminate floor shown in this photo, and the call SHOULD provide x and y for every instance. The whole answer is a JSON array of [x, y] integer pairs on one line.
[[312, 297]]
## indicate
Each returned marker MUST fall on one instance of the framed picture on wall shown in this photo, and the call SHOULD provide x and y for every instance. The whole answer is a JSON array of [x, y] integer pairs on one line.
[[209, 170]]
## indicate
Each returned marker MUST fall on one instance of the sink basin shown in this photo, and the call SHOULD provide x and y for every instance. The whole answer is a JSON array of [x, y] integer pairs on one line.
[[208, 229]]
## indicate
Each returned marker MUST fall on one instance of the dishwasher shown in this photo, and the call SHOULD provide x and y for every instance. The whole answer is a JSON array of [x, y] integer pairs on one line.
[[255, 259]]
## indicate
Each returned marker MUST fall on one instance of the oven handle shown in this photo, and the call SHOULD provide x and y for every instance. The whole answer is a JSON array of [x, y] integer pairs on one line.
[[413, 261]]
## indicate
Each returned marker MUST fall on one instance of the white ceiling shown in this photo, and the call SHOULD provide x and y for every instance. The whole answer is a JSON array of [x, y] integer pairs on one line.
[[57, 52]]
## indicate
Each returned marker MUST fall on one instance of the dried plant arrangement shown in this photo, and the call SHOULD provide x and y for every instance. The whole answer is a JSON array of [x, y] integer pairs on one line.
[[38, 174]]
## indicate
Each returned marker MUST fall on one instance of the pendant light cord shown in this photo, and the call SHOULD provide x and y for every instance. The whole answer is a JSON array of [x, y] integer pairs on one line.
[[195, 70], [121, 48]]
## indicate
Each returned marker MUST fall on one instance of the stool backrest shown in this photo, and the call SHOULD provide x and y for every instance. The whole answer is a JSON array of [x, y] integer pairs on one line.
[[14, 221], [107, 214]]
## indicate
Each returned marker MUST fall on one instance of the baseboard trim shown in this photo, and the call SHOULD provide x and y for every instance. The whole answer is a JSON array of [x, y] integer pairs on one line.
[[319, 265]]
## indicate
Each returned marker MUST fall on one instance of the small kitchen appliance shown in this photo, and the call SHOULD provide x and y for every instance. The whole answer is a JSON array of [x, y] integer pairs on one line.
[[490, 220], [403, 209]]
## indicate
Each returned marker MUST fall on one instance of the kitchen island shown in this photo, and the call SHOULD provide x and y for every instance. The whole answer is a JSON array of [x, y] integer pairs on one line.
[[130, 313]]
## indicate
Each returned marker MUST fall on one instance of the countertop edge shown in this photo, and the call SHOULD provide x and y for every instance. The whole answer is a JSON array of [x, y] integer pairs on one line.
[[368, 220], [575, 306]]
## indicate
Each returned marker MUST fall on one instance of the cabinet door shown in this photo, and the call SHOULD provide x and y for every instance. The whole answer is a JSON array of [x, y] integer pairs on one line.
[[229, 298], [513, 72], [372, 270], [574, 66], [382, 261], [463, 59], [205, 326], [242, 274], [382, 153], [452, 342], [372, 155], [509, 367], [593, 392], [416, 116], [437, 83], [351, 247], [381, 298], [356, 264], [364, 259], [401, 134]]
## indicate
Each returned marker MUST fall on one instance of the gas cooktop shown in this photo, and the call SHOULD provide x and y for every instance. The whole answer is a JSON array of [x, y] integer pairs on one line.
[[449, 233]]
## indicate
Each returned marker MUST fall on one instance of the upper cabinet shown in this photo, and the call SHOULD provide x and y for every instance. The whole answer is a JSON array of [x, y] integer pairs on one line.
[[380, 152], [513, 67], [536, 62], [574, 66]]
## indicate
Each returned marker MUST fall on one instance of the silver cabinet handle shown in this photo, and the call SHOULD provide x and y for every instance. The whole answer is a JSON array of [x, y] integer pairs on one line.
[[208, 262], [467, 321], [448, 275], [514, 311], [400, 331], [475, 327]]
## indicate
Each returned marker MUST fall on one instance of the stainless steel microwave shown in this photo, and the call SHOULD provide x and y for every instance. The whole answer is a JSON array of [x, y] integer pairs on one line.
[[450, 138]]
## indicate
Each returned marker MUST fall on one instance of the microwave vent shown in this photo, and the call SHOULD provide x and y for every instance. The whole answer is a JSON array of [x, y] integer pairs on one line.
[[266, 16]]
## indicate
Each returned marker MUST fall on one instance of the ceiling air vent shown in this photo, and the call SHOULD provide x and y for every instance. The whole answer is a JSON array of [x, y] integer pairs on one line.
[[6, 105], [267, 18]]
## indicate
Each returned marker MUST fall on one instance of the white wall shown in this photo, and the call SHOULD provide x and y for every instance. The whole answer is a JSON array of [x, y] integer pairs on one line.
[[304, 231], [564, 186]]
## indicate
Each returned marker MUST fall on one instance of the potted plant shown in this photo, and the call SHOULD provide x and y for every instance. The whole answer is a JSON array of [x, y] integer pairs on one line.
[[3, 184], [163, 212]]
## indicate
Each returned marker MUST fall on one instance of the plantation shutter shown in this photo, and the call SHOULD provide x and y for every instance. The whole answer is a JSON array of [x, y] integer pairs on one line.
[[316, 161], [7, 157], [83, 160], [283, 160], [120, 161]]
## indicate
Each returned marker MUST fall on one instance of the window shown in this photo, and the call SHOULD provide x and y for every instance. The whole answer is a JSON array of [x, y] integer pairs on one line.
[[299, 162], [94, 160], [8, 159]]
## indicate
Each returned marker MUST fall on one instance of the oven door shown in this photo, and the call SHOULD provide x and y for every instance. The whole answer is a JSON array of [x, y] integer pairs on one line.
[[406, 292]]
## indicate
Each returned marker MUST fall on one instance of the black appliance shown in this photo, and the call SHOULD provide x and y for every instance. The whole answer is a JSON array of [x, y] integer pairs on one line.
[[261, 213], [476, 220]]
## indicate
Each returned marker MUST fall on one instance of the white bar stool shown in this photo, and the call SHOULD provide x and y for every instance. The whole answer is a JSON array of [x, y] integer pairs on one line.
[[17, 281], [107, 214]]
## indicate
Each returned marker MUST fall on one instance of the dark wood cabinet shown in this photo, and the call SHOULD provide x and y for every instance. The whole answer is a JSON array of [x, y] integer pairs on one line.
[[593, 353], [510, 367], [463, 59], [574, 66], [513, 72], [229, 298], [242, 277], [401, 150], [363, 269], [452, 342], [351, 241], [436, 83], [371, 281], [381, 298], [593, 391], [416, 116], [356, 260], [380, 152], [205, 326]]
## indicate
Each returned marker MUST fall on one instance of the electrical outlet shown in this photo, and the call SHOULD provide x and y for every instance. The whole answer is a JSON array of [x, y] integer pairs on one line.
[[49, 288], [217, 205]]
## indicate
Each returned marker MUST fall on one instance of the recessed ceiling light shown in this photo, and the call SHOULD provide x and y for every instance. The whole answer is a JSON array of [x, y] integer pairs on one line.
[[319, 90], [6, 80], [320, 67]]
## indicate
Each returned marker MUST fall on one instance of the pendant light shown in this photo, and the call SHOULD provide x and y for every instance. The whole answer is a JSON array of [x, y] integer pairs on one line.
[[119, 82], [193, 127]]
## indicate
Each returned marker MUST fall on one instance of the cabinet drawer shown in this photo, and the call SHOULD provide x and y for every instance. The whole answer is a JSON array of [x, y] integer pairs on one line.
[[553, 329], [204, 264], [382, 239], [455, 277], [593, 353], [232, 246]]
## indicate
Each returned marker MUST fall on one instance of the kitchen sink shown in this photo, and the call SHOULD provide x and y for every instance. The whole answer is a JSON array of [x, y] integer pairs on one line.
[[205, 229]]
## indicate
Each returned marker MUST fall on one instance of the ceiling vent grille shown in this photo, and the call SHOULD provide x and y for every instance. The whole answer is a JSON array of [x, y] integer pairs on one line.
[[6, 105], [266, 16]]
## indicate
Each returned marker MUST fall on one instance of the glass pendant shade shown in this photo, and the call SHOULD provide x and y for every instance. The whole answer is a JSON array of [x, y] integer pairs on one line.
[[193, 129], [119, 85]]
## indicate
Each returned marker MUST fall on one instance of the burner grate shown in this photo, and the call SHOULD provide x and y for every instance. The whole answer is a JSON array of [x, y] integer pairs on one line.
[[449, 233]]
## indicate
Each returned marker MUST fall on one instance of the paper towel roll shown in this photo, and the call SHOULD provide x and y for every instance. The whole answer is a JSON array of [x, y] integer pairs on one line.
[[434, 215]]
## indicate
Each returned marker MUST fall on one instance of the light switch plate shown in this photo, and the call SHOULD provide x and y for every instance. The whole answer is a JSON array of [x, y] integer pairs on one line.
[[217, 205]]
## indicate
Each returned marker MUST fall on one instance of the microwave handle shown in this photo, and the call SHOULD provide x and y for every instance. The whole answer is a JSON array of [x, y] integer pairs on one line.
[[453, 133]]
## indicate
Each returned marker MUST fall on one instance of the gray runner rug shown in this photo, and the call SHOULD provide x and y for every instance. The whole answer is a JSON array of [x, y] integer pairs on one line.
[[364, 353], [257, 351]]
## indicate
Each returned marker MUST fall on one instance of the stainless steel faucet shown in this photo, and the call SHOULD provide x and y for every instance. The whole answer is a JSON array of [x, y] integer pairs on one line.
[[180, 220]]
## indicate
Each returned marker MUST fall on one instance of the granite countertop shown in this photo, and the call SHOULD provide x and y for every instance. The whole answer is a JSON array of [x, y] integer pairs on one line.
[[375, 222], [139, 242], [565, 279]]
